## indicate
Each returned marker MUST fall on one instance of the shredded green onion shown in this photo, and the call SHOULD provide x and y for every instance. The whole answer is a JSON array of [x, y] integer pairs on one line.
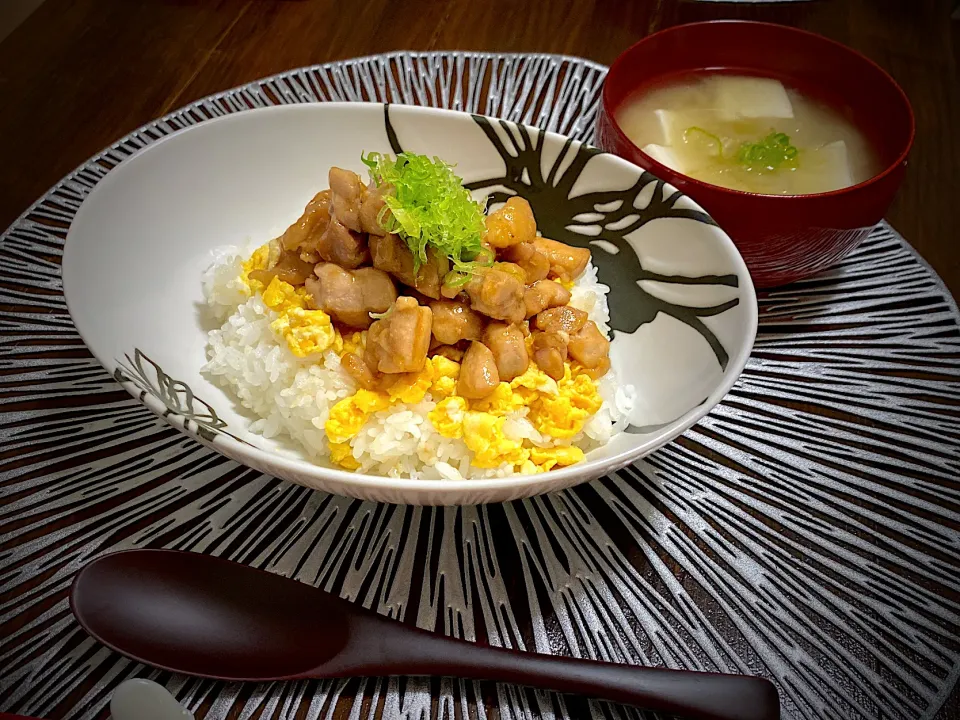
[[710, 137], [770, 153], [426, 204]]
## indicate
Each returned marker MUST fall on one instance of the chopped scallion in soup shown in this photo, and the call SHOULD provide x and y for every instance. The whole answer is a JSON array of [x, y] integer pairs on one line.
[[748, 133]]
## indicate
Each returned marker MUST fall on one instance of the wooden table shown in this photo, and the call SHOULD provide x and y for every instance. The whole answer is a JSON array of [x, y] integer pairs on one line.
[[79, 74]]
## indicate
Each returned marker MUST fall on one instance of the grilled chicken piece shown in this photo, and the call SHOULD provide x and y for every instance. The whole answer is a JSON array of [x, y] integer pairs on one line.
[[391, 254], [533, 260], [478, 372], [289, 268], [561, 319], [550, 352], [544, 294], [453, 321], [506, 342], [566, 261], [497, 292], [511, 224], [588, 346], [595, 373], [346, 191], [398, 342], [364, 376], [349, 296], [370, 207], [342, 246], [304, 234]]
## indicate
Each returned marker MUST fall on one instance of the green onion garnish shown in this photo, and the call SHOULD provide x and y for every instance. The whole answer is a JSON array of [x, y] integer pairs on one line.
[[770, 153], [426, 204]]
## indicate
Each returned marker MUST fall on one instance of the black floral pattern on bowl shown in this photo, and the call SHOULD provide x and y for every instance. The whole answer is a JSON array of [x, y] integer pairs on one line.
[[559, 216], [196, 415]]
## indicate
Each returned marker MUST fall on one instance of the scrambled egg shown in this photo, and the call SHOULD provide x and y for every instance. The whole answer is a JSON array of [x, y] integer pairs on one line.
[[413, 387], [547, 458], [563, 415], [446, 373], [349, 415], [447, 417], [259, 260], [483, 434], [306, 332], [556, 409], [342, 454], [502, 401]]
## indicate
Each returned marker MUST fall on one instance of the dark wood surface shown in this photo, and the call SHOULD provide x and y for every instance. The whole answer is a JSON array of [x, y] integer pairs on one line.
[[78, 74]]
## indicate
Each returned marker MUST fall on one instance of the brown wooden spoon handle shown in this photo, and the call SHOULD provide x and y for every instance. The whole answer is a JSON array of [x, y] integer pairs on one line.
[[684, 693]]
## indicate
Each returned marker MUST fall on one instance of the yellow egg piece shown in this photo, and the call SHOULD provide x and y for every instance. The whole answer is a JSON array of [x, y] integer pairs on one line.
[[281, 296], [533, 378], [355, 342], [306, 332], [530, 468], [502, 401], [348, 416], [548, 458], [342, 454], [369, 401], [447, 417], [483, 434], [557, 416], [413, 387], [583, 393], [258, 260], [446, 372]]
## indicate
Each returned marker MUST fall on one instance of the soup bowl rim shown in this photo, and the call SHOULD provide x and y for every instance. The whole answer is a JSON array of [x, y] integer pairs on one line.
[[659, 168]]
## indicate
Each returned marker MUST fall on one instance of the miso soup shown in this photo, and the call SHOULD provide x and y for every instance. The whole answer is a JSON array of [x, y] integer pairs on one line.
[[748, 133]]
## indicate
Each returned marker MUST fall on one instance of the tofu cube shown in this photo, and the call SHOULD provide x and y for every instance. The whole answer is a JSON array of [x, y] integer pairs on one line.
[[738, 97]]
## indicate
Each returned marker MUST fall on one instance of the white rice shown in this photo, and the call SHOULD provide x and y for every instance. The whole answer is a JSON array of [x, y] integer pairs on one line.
[[292, 396]]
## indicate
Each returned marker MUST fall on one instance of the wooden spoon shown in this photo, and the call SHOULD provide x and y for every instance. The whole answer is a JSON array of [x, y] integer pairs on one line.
[[202, 615]]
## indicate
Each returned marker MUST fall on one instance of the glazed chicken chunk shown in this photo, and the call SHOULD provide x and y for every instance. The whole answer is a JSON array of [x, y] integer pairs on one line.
[[588, 346], [343, 246], [497, 292], [346, 191], [289, 267], [506, 343], [564, 319], [349, 296], [478, 372], [398, 342], [510, 225], [304, 235], [454, 320], [370, 206], [550, 353], [544, 294], [566, 261], [528, 256], [391, 254]]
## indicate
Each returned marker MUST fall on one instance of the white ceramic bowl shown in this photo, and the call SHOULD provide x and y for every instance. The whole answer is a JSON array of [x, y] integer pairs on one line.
[[682, 304]]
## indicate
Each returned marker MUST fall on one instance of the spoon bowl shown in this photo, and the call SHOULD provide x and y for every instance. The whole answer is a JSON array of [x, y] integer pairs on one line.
[[206, 616], [198, 615]]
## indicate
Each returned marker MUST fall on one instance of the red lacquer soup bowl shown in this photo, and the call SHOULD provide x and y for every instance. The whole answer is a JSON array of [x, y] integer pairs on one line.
[[782, 238]]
